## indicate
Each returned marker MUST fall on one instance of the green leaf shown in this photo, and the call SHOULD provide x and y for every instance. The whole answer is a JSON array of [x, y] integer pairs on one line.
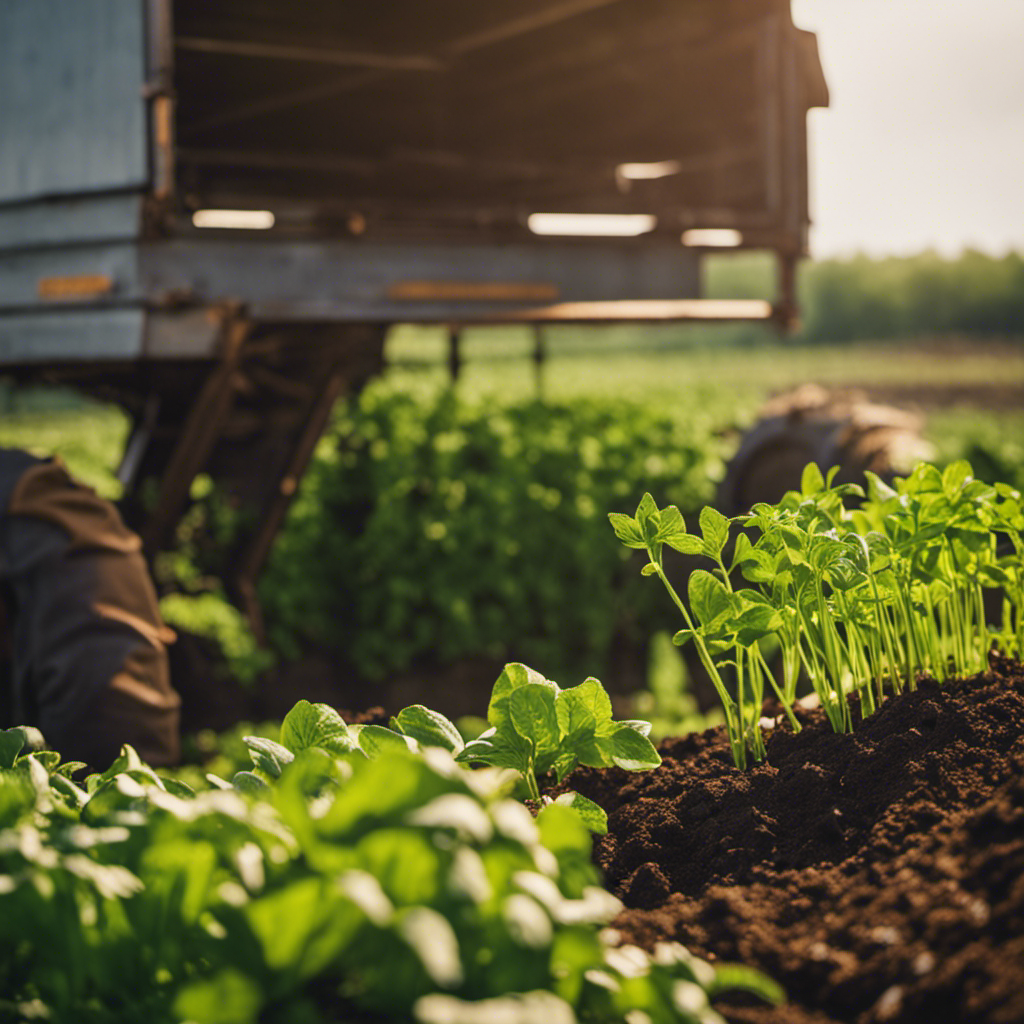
[[626, 529], [686, 544], [755, 622], [229, 997], [670, 525], [562, 831], [736, 976], [649, 569], [811, 480], [315, 725], [11, 742], [584, 712], [373, 740], [513, 676], [268, 756], [49, 759], [714, 528], [637, 724], [585, 706], [590, 813], [878, 490], [75, 796], [633, 752], [177, 788], [429, 728], [533, 716], [648, 507], [433, 940], [503, 748], [249, 782], [709, 598], [955, 475], [69, 768], [683, 637], [290, 924]]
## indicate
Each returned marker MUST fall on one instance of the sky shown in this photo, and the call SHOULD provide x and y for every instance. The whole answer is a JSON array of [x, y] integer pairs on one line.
[[923, 143]]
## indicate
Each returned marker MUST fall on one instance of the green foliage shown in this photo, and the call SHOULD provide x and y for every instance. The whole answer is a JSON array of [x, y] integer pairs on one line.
[[898, 297], [536, 727], [399, 886], [863, 600], [435, 529], [209, 614], [88, 437], [862, 297]]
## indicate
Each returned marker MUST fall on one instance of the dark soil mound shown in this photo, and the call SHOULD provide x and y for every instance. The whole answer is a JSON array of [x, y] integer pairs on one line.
[[877, 876]]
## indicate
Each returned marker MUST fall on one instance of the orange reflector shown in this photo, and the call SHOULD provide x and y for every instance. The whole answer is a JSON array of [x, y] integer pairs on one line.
[[80, 286]]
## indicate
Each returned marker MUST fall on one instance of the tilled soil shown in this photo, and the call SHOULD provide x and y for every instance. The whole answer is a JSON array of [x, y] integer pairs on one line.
[[878, 876]]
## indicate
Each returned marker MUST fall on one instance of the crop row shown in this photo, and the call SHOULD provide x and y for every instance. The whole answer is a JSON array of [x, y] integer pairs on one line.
[[431, 530], [353, 873], [863, 601]]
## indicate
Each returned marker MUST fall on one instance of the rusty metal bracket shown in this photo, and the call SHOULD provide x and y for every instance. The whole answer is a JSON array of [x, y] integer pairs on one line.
[[203, 426], [255, 554]]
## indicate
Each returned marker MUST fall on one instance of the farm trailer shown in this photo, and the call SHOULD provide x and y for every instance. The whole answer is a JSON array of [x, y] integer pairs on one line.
[[211, 212]]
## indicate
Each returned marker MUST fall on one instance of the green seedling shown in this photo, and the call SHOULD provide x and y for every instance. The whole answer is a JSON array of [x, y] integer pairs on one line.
[[537, 727], [862, 602], [719, 619]]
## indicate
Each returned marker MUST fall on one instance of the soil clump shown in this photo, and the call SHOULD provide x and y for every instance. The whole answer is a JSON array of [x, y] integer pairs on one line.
[[878, 876]]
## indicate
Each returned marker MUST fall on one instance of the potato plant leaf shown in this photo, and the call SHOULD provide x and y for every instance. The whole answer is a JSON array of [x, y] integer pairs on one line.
[[513, 676], [709, 599], [248, 782], [532, 715]]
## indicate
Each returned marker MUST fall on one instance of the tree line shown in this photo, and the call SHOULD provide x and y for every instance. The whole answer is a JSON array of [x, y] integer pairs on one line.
[[862, 297]]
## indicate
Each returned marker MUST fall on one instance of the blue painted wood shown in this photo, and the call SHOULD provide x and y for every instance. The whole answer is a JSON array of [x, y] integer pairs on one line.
[[22, 271], [101, 218], [72, 107], [70, 336]]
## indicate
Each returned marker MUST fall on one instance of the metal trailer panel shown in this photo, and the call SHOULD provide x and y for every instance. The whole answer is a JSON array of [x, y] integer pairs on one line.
[[72, 97], [364, 281], [103, 274], [71, 221], [70, 336]]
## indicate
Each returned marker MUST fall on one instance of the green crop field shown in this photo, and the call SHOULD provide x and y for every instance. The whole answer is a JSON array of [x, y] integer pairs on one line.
[[661, 362], [660, 365]]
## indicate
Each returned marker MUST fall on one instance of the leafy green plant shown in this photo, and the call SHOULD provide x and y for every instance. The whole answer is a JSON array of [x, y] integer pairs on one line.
[[861, 601], [536, 728], [400, 886], [718, 618], [430, 529]]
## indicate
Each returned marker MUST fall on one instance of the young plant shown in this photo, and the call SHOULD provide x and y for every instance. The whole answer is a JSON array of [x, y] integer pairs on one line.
[[537, 727], [861, 601], [347, 888], [719, 619]]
